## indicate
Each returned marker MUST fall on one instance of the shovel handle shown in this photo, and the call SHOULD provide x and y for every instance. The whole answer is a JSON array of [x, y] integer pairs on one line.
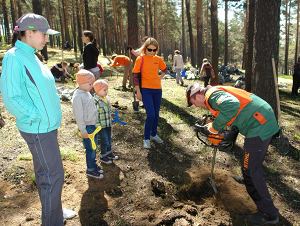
[[276, 91]]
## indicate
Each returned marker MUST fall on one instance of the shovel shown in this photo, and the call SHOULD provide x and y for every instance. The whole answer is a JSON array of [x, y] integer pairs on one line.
[[282, 142], [135, 103]]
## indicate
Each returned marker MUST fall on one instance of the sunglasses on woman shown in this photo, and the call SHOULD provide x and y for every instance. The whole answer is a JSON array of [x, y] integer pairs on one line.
[[150, 50]]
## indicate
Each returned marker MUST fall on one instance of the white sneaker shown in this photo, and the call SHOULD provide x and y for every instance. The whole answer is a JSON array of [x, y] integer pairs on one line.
[[147, 144], [68, 214], [156, 139]]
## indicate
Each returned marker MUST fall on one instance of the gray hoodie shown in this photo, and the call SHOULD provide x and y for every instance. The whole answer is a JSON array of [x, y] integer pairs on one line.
[[84, 109]]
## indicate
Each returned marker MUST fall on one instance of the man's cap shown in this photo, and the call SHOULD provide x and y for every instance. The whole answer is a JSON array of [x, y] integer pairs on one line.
[[205, 60], [35, 22], [84, 76], [191, 90], [99, 84]]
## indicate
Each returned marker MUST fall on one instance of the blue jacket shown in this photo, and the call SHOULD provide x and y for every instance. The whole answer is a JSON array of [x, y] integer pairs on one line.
[[28, 91]]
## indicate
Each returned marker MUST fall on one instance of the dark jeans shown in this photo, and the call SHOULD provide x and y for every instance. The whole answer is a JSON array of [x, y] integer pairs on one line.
[[105, 141], [151, 101], [254, 154], [90, 153]]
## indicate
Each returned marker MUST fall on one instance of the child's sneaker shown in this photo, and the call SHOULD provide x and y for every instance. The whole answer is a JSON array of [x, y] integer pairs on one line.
[[94, 174], [106, 160], [112, 156], [99, 169], [156, 138]]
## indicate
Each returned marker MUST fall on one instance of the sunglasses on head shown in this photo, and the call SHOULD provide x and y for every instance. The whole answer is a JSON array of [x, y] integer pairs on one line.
[[150, 50]]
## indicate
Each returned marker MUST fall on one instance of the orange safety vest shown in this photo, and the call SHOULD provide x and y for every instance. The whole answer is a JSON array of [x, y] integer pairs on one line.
[[242, 95]]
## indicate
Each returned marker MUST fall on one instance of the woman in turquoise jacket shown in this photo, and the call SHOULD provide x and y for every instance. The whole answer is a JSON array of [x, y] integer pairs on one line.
[[29, 93]]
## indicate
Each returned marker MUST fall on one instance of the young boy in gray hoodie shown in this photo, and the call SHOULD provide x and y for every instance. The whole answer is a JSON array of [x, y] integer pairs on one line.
[[85, 113]]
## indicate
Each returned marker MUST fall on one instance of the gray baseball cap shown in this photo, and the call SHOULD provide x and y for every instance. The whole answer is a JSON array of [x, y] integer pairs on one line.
[[35, 22]]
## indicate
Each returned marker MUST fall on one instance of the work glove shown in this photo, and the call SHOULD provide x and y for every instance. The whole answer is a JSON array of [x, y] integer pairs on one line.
[[206, 128], [129, 48]]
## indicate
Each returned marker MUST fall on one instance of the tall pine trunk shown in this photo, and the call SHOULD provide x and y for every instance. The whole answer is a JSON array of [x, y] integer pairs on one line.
[[266, 44], [215, 38]]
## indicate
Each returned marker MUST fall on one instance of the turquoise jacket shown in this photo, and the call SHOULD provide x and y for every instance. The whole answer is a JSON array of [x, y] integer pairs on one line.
[[28, 91], [248, 125]]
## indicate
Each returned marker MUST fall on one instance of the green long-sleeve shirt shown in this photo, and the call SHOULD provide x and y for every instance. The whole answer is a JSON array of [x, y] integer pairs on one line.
[[248, 125]]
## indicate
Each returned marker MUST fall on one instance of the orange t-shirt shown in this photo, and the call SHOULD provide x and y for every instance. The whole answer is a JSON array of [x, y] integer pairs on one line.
[[150, 77], [120, 60]]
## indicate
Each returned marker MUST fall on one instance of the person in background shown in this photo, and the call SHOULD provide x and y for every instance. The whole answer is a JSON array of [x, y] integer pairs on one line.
[[296, 79], [136, 52], [255, 120], [90, 54], [206, 72], [178, 65], [59, 71], [29, 93], [85, 114], [151, 91], [102, 103], [121, 60]]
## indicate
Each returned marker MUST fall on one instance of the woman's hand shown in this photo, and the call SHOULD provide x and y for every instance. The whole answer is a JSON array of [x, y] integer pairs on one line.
[[139, 96]]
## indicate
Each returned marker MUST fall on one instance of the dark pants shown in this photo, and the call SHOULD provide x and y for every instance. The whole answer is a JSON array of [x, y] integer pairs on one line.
[[296, 78], [206, 80], [49, 174], [254, 154], [151, 101]]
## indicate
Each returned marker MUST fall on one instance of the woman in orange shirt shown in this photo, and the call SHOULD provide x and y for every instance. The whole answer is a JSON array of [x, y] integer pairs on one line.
[[151, 91]]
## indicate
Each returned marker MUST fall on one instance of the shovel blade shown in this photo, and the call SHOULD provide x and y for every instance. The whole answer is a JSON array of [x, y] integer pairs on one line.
[[283, 145], [136, 106]]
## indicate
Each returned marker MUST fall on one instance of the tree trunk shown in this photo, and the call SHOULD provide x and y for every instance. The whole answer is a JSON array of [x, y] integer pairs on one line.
[[102, 29], [132, 21], [106, 28], [188, 14], [119, 8], [287, 36], [150, 19], [20, 13], [74, 26], [115, 43], [226, 34], [297, 33], [199, 33], [79, 28], [249, 35], [87, 14], [13, 12], [183, 32], [66, 14], [37, 7], [61, 23], [215, 38], [156, 22], [6, 23], [266, 44], [146, 17]]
